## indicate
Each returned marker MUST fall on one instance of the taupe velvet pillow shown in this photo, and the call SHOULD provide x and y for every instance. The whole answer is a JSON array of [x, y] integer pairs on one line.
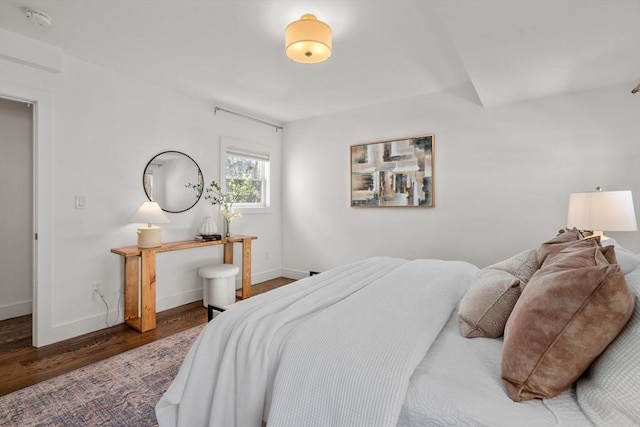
[[580, 253], [486, 306], [558, 243], [609, 253], [572, 308], [609, 391]]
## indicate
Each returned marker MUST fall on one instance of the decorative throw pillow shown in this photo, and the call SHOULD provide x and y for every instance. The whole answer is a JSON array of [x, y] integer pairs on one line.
[[580, 253], [609, 253], [627, 260], [486, 306], [608, 392], [572, 308], [558, 243]]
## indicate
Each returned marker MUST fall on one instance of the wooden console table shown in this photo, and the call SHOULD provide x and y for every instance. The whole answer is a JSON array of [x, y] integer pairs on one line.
[[140, 276]]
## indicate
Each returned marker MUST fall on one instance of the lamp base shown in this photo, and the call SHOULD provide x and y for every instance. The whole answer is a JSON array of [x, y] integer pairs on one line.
[[149, 237], [598, 233]]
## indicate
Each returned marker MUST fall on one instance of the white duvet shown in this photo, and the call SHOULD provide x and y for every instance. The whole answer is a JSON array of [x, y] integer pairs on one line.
[[458, 384], [373, 343], [334, 349]]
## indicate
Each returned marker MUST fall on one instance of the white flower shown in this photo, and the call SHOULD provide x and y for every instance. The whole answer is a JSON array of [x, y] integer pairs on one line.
[[229, 214]]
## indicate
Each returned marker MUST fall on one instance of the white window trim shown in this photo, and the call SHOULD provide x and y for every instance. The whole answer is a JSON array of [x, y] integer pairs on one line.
[[253, 149]]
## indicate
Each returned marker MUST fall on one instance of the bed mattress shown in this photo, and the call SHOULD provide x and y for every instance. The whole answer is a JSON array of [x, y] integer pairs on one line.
[[458, 383]]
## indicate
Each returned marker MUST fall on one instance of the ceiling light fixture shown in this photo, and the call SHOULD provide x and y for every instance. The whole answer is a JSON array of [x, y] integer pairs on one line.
[[308, 40], [41, 19]]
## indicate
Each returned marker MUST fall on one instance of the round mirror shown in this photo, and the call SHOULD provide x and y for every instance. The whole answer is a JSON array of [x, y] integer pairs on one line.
[[173, 180]]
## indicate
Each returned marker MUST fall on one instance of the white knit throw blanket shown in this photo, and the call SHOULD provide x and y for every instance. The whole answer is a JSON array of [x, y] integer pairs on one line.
[[334, 349]]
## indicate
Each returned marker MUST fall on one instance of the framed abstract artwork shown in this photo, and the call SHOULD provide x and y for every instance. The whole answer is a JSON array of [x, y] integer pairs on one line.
[[393, 173]]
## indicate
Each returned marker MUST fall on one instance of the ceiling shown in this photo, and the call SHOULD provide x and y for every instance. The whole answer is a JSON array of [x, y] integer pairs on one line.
[[232, 52]]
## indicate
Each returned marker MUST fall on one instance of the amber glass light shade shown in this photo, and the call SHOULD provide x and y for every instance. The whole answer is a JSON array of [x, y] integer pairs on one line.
[[308, 40]]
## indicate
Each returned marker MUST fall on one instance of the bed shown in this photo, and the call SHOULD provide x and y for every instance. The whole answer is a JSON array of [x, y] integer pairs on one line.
[[380, 343]]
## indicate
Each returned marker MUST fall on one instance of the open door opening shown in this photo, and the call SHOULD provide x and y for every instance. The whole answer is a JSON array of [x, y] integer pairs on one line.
[[17, 223]]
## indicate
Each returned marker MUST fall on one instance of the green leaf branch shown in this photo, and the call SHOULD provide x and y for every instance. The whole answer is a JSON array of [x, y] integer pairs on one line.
[[238, 191]]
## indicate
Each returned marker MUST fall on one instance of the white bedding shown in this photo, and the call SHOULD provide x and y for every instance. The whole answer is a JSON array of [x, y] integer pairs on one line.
[[458, 383], [350, 364], [396, 308], [373, 343]]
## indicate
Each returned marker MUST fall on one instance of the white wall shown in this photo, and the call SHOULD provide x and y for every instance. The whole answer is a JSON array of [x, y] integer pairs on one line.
[[16, 229], [107, 126], [502, 179], [502, 176]]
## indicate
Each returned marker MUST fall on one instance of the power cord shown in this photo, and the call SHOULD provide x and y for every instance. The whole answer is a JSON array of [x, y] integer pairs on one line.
[[106, 304]]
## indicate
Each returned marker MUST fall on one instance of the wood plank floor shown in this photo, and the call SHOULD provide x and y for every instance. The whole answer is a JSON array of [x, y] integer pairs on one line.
[[22, 365]]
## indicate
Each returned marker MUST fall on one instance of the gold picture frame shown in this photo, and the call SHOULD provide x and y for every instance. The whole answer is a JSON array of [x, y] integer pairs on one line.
[[395, 173]]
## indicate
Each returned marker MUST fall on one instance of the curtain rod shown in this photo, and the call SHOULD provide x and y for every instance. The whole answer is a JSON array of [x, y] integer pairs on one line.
[[216, 109]]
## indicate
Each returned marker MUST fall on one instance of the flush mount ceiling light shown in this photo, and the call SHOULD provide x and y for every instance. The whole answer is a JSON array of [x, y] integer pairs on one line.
[[41, 19], [308, 40]]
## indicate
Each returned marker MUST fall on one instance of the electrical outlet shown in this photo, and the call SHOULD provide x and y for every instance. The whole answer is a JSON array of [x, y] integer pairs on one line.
[[97, 288]]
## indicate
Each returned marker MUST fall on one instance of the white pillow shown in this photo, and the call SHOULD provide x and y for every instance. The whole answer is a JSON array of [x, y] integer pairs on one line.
[[609, 392]]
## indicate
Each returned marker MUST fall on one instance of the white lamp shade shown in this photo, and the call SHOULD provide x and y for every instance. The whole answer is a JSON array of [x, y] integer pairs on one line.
[[602, 210], [149, 213], [308, 40]]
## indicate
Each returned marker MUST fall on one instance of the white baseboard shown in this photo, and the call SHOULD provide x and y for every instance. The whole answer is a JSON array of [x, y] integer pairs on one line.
[[294, 274], [10, 311], [64, 331], [177, 300], [96, 322], [260, 277]]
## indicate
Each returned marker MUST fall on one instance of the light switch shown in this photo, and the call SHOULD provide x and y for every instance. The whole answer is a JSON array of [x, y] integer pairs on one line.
[[81, 202]]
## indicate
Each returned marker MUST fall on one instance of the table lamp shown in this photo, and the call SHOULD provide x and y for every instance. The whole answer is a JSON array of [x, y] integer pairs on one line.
[[600, 211], [149, 213]]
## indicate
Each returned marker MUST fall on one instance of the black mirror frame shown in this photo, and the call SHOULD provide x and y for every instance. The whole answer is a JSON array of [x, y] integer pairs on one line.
[[201, 178]]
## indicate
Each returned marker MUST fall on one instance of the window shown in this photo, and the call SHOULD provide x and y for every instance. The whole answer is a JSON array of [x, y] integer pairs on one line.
[[244, 167]]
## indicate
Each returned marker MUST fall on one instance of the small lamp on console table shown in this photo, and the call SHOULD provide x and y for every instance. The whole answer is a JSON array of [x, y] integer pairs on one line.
[[601, 211], [149, 213]]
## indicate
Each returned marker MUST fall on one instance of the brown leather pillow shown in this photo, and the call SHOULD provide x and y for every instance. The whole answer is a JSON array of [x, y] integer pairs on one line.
[[558, 243], [571, 309]]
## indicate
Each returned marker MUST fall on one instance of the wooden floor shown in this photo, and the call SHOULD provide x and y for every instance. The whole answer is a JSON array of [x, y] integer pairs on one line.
[[22, 365]]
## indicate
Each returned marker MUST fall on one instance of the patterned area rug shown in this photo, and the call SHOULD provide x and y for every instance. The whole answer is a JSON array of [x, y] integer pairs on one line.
[[119, 391]]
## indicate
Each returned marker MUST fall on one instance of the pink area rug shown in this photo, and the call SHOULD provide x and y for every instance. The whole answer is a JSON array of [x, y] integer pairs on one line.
[[119, 391]]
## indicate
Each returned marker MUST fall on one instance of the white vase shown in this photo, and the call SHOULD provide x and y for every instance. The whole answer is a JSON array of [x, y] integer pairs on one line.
[[208, 227]]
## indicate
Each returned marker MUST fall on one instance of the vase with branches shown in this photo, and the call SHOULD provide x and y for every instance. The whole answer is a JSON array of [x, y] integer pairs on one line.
[[238, 190]]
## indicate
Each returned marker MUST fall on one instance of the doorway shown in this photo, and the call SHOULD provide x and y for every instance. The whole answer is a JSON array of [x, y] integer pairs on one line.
[[16, 209]]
